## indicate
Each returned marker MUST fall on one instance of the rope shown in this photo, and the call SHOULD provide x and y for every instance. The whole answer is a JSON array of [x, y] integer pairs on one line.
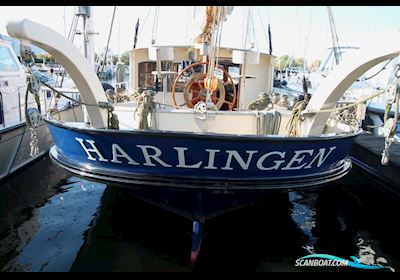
[[32, 117], [112, 118], [215, 42], [145, 106], [67, 97], [293, 126]]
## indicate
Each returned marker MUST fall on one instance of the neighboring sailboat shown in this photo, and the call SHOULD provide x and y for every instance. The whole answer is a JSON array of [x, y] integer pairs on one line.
[[210, 141]]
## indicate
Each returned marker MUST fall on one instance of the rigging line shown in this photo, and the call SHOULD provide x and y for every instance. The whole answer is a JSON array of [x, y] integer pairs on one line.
[[187, 21], [71, 34], [335, 39], [384, 67], [158, 17], [262, 24], [155, 26], [306, 44], [108, 41], [70, 28], [299, 30], [244, 25], [247, 28], [219, 32], [144, 23], [253, 31], [213, 44], [67, 97]]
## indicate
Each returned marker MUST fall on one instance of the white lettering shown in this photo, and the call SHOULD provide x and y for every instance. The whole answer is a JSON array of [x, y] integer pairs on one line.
[[92, 150], [320, 157], [155, 156], [182, 161], [296, 158], [117, 152], [278, 163], [152, 155], [236, 155], [211, 158]]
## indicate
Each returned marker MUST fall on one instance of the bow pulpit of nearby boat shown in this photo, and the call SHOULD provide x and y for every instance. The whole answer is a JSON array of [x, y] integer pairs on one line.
[[203, 132]]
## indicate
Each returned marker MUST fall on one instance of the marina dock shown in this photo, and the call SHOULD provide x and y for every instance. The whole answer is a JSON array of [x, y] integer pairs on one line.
[[367, 151]]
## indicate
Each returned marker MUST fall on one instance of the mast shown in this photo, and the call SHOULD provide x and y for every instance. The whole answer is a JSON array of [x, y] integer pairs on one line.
[[90, 38], [335, 39], [88, 44], [87, 32]]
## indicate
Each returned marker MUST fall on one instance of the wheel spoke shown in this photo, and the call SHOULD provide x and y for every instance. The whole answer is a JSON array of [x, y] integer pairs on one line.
[[201, 84], [196, 99], [195, 91], [214, 99]]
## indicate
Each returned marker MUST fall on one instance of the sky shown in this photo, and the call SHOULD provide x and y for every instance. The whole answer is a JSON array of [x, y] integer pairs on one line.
[[301, 31]]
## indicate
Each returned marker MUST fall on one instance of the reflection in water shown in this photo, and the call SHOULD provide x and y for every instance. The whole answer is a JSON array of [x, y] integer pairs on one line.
[[303, 212], [366, 254], [131, 235], [62, 223], [51, 238]]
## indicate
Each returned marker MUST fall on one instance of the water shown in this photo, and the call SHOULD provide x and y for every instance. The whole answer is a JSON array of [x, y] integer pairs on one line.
[[53, 221]]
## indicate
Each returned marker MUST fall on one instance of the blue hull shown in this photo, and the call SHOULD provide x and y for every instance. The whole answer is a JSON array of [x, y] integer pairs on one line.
[[200, 161], [198, 205]]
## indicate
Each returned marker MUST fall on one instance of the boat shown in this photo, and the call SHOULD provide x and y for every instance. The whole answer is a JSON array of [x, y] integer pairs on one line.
[[15, 136], [207, 136], [295, 80], [20, 143]]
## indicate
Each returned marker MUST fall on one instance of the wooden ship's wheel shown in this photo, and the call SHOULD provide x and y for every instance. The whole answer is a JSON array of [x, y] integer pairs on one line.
[[195, 90]]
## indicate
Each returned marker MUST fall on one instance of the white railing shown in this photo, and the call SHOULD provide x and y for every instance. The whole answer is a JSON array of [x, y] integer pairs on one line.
[[17, 114]]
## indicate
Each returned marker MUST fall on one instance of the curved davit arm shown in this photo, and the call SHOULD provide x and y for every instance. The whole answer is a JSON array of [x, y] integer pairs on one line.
[[69, 56], [382, 46]]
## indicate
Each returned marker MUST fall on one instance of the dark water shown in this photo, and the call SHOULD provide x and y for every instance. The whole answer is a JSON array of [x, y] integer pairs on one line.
[[53, 221]]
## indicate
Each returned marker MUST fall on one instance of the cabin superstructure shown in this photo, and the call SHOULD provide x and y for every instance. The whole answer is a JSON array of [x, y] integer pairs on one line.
[[251, 72]]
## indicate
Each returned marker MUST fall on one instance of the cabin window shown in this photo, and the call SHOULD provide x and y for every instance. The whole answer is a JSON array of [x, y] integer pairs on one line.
[[7, 61], [234, 71], [147, 78]]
